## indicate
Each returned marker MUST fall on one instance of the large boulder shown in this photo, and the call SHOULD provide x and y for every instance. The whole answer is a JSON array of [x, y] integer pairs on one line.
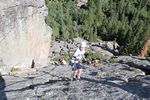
[[141, 85], [24, 36], [134, 61]]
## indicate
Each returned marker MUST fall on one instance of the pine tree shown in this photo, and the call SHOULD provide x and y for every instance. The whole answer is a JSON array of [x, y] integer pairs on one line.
[[126, 20]]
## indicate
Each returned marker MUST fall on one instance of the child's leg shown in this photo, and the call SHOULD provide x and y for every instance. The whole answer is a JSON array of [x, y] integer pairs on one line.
[[74, 69], [79, 67], [75, 73], [79, 73]]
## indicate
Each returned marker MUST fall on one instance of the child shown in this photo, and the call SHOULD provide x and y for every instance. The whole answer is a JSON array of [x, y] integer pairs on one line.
[[76, 61]]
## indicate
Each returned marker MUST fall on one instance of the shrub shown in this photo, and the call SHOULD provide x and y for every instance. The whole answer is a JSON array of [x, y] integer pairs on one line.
[[111, 60], [64, 55], [14, 69], [93, 55]]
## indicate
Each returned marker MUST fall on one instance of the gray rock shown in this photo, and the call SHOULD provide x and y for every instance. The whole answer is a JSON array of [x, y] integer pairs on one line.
[[133, 61], [142, 85], [23, 33], [103, 51], [108, 81], [81, 2], [78, 40], [112, 46], [107, 46]]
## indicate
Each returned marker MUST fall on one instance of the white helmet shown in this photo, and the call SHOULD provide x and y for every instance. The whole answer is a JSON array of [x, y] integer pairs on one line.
[[83, 44]]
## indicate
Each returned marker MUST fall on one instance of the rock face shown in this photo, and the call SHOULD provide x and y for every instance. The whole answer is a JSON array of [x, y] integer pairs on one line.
[[105, 82], [137, 62], [24, 36]]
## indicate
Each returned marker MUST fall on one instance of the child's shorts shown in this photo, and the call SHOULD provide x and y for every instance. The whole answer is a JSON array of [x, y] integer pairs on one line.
[[75, 66]]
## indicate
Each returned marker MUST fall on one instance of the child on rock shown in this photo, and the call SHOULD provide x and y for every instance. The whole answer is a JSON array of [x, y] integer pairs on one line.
[[75, 61]]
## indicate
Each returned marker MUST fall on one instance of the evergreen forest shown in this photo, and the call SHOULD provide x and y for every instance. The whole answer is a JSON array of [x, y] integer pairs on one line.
[[125, 21]]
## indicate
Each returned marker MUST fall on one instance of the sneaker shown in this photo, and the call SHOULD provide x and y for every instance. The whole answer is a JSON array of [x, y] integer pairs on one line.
[[74, 79], [78, 78]]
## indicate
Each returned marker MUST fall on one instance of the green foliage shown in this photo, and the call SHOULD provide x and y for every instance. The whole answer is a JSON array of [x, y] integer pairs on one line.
[[93, 55], [126, 20], [97, 54], [14, 69], [56, 59], [62, 55], [66, 56], [62, 18], [112, 59]]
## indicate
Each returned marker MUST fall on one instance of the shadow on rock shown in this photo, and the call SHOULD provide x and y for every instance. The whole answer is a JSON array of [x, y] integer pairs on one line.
[[33, 86], [63, 80], [2, 87], [133, 86]]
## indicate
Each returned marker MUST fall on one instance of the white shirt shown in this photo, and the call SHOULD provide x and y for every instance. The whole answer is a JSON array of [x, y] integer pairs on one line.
[[78, 54]]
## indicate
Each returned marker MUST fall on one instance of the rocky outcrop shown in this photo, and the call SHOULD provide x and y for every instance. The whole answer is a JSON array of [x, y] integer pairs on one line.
[[133, 61], [81, 2], [142, 85], [24, 36], [105, 48], [106, 81]]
